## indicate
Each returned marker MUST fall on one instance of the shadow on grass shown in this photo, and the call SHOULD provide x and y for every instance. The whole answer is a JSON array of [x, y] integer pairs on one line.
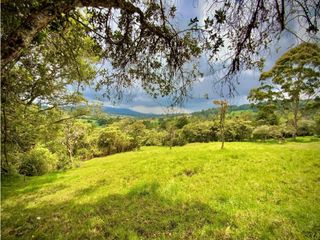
[[307, 139], [142, 213], [18, 185]]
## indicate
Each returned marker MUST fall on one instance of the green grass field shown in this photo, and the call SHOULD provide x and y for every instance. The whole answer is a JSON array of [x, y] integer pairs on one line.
[[246, 191]]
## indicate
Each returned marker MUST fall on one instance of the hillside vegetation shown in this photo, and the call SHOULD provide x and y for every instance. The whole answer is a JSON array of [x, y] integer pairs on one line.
[[246, 191]]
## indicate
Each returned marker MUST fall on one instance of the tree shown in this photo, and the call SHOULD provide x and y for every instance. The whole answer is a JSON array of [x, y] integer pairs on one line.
[[39, 84], [172, 131], [136, 130], [73, 132], [267, 114], [138, 42], [222, 112], [295, 75], [181, 122], [236, 32], [144, 27]]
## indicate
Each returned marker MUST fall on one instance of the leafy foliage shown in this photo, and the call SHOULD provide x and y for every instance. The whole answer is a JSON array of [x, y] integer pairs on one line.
[[237, 32], [38, 161], [294, 76], [112, 140]]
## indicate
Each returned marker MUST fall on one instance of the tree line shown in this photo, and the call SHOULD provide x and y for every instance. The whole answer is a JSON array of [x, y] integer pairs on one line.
[[44, 146], [37, 138]]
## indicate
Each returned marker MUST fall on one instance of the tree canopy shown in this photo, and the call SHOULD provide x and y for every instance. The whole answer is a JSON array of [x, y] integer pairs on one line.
[[136, 40], [238, 31], [294, 76], [140, 43]]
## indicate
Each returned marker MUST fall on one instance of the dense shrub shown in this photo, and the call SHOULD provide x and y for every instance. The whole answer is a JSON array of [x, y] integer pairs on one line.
[[275, 132], [154, 137], [181, 122], [266, 131], [306, 127], [111, 140], [237, 130], [63, 162], [86, 147], [317, 124], [174, 138], [261, 132], [287, 130], [38, 161], [136, 131], [200, 131]]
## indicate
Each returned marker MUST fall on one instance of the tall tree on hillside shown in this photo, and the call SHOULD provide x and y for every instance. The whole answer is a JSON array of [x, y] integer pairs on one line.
[[294, 76], [222, 112]]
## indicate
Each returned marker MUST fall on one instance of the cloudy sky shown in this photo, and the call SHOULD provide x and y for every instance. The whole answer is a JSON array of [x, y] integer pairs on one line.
[[141, 102]]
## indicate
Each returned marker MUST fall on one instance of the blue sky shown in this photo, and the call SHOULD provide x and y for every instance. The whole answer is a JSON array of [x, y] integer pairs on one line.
[[141, 102]]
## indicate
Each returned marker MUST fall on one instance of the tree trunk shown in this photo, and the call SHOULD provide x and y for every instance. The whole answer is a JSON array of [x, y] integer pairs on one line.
[[5, 136], [12, 46], [69, 150], [222, 133], [222, 144], [295, 118]]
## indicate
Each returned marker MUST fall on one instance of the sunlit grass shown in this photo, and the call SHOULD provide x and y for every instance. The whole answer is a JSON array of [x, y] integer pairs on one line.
[[246, 191]]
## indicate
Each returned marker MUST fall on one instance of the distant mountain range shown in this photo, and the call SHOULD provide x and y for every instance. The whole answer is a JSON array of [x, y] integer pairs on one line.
[[232, 108], [127, 112], [130, 113]]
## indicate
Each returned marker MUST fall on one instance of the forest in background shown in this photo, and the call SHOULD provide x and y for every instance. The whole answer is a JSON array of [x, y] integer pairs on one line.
[[38, 138], [82, 133], [53, 50]]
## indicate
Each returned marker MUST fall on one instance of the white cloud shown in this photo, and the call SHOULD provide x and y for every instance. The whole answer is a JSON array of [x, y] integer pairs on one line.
[[159, 110], [141, 102]]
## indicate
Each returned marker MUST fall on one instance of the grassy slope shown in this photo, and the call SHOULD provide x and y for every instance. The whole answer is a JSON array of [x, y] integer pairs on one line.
[[247, 191]]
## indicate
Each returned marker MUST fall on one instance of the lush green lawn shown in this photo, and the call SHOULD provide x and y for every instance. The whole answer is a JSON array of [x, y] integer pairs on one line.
[[247, 191]]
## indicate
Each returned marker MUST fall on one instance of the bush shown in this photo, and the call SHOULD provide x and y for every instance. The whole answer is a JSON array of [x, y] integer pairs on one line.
[[38, 161], [111, 140], [174, 138], [154, 137], [275, 132], [204, 131], [306, 127], [287, 130], [261, 132], [63, 162], [317, 124], [238, 130]]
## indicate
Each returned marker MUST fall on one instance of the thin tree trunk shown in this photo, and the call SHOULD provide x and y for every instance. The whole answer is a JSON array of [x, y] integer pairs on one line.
[[222, 131], [222, 144], [69, 150], [295, 118], [5, 135]]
